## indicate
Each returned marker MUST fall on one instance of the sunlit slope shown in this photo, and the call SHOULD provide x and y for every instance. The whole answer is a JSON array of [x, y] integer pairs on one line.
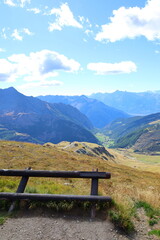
[[24, 118], [85, 148], [144, 162], [126, 185]]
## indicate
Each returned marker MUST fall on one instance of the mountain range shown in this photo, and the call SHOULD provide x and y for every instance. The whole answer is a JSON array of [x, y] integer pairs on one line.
[[142, 103], [74, 118], [96, 111], [23, 117]]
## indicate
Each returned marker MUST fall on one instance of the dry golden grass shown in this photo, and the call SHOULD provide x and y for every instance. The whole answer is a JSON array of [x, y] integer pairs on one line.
[[154, 122], [150, 163], [126, 186]]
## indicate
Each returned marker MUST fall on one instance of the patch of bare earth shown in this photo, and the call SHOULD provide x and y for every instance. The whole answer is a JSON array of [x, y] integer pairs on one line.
[[51, 226], [44, 226]]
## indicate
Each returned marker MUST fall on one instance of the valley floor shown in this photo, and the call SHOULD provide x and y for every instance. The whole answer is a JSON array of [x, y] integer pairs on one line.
[[150, 163]]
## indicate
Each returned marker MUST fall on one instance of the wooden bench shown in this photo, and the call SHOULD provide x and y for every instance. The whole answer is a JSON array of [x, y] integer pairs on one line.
[[25, 174]]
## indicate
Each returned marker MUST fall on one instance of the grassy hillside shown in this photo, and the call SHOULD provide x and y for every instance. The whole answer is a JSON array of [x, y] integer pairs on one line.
[[126, 186], [142, 162]]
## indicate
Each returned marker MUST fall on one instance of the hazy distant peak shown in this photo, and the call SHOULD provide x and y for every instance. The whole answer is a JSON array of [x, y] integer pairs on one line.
[[11, 89]]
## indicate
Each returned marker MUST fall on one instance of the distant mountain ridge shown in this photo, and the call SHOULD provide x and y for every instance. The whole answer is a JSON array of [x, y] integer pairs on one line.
[[142, 103], [41, 120], [97, 112]]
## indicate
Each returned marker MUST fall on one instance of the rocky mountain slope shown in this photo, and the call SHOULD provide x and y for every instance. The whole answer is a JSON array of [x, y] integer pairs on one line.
[[89, 149], [97, 112], [41, 120]]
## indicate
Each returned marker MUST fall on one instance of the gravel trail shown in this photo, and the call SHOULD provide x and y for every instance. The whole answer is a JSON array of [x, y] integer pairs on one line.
[[58, 227]]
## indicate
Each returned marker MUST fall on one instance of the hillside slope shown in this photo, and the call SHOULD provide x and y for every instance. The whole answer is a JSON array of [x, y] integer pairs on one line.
[[89, 149], [41, 120], [141, 133], [126, 186], [97, 112]]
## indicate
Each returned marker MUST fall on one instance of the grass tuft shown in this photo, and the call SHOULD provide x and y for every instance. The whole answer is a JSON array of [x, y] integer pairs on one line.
[[150, 211], [155, 232], [122, 218]]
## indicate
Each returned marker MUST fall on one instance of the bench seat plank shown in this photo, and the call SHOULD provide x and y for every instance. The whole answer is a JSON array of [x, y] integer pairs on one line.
[[53, 197]]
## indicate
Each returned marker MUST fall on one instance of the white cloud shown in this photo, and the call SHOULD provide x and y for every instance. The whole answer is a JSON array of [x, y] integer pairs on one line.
[[34, 10], [64, 17], [82, 19], [133, 22], [2, 50], [27, 31], [3, 33], [88, 32], [112, 68], [85, 21], [10, 3], [16, 35], [7, 70], [19, 34], [38, 66], [16, 3]]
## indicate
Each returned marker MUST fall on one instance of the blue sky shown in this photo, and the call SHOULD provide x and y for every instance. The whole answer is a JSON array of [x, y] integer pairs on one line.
[[79, 47]]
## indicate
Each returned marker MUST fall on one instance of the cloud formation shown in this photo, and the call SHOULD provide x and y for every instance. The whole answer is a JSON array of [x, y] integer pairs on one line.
[[16, 3], [19, 34], [64, 17], [3, 33], [132, 22], [34, 10], [112, 68], [15, 34], [7, 70], [2, 50], [38, 66]]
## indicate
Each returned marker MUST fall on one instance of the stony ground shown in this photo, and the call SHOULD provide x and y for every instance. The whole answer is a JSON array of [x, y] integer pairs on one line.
[[48, 226]]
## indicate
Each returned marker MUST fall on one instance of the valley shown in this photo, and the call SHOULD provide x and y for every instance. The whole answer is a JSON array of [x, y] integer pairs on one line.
[[59, 136], [77, 118], [144, 162]]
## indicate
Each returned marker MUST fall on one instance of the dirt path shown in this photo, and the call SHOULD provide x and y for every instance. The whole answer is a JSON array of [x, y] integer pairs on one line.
[[54, 227]]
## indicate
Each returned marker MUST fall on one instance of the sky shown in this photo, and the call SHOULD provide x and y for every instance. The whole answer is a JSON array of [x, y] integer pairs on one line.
[[79, 47]]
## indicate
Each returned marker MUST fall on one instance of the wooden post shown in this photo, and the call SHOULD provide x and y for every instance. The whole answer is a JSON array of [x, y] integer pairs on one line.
[[94, 191], [20, 189]]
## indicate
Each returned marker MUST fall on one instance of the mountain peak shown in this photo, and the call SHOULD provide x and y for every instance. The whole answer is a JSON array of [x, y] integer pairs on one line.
[[10, 90]]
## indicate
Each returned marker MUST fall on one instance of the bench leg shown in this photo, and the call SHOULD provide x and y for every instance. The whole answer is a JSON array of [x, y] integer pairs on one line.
[[94, 191], [20, 189], [93, 211]]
